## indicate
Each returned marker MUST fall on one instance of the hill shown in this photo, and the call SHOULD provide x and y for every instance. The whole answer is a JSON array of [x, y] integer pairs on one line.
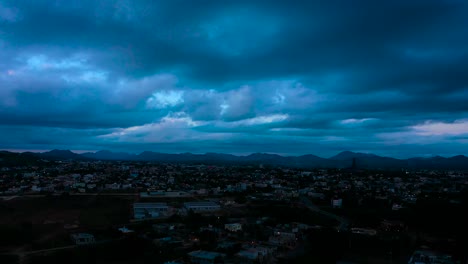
[[344, 159]]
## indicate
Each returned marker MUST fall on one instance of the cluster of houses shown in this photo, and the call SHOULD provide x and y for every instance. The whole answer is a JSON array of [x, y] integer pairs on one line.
[[159, 210], [209, 190], [201, 180]]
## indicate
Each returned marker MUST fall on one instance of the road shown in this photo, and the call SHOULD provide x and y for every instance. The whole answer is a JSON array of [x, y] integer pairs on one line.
[[22, 253], [343, 223], [46, 250], [8, 198]]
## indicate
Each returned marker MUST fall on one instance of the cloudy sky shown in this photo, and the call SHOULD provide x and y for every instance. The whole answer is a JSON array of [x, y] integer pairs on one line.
[[286, 77]]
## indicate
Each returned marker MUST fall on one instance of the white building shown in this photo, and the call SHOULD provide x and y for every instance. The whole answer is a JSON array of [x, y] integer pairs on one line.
[[149, 210], [233, 227], [430, 257], [202, 206], [337, 203], [363, 231], [83, 239]]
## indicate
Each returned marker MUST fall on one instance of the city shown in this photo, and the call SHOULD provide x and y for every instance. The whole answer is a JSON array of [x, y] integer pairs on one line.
[[233, 131], [202, 213]]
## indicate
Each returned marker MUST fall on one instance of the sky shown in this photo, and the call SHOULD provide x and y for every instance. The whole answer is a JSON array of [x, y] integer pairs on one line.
[[285, 77]]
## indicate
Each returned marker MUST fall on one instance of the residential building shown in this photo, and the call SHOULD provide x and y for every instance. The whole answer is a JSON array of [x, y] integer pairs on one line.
[[206, 206], [83, 239], [430, 257], [233, 227], [149, 210]]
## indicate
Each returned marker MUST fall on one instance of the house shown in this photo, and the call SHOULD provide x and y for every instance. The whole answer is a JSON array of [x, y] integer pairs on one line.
[[165, 227], [149, 210], [83, 239], [227, 246], [205, 257], [393, 226], [206, 206], [255, 254], [280, 238], [36, 188], [430, 257], [233, 227], [173, 262], [125, 230], [79, 185], [363, 231], [112, 186], [126, 186], [337, 203]]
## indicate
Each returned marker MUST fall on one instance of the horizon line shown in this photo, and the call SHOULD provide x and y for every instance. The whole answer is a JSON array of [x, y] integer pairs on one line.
[[80, 152]]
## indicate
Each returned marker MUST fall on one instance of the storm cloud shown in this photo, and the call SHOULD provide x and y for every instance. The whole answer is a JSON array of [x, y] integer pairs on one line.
[[289, 77]]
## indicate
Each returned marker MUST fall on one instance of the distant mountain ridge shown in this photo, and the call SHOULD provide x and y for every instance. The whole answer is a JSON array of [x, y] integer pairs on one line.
[[343, 159], [346, 155], [58, 154], [108, 155]]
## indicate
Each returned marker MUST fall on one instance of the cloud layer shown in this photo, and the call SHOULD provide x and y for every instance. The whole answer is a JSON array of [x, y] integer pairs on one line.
[[235, 76]]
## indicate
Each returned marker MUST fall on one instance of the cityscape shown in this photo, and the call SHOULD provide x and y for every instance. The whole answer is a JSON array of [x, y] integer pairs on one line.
[[233, 131], [82, 210]]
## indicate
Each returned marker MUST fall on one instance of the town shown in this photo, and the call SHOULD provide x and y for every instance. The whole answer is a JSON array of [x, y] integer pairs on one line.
[[257, 132], [146, 212]]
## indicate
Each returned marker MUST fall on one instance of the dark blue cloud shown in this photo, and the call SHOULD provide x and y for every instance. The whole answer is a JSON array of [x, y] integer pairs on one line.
[[235, 76]]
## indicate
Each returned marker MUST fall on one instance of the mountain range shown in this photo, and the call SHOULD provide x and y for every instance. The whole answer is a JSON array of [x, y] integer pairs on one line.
[[345, 159]]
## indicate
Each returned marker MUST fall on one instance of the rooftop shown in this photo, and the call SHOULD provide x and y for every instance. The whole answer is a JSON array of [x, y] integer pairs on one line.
[[82, 235]]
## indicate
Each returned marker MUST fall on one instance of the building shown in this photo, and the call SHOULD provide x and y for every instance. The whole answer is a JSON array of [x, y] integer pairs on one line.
[[337, 203], [164, 194], [149, 210], [233, 227], [83, 239], [363, 231], [205, 257], [280, 238], [430, 257], [125, 230], [202, 206], [255, 255], [393, 226]]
